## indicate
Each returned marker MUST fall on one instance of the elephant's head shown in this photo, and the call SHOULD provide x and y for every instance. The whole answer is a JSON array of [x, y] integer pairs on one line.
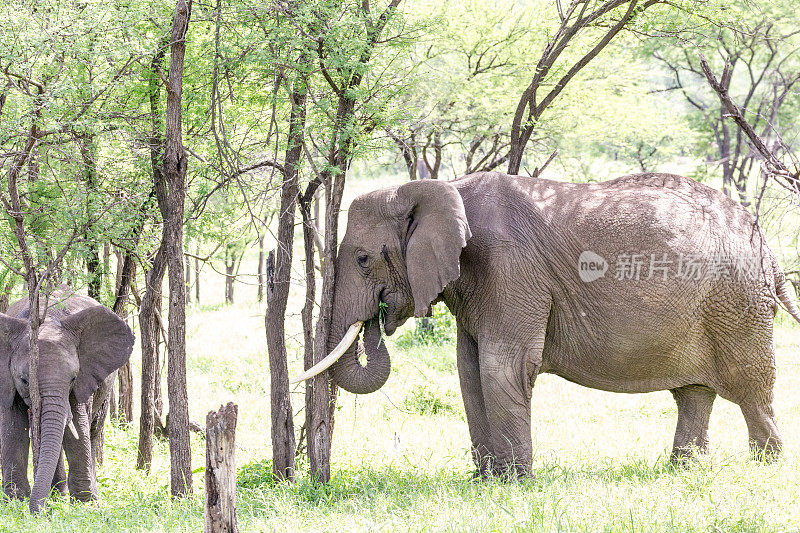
[[401, 248], [76, 353]]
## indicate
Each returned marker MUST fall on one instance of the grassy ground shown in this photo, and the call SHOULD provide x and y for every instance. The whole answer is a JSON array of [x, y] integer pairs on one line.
[[401, 455]]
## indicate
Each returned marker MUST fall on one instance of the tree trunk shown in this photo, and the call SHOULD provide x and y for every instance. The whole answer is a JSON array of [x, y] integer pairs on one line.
[[260, 268], [5, 296], [433, 169], [230, 267], [151, 300], [35, 409], [158, 395], [220, 503], [113, 405], [17, 221], [197, 276], [407, 148], [283, 439], [97, 418], [307, 314], [107, 259], [125, 382], [93, 272], [120, 262], [175, 162], [321, 392], [126, 272], [188, 279]]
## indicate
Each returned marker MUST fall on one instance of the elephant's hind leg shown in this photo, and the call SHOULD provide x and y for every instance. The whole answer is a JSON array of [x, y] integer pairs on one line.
[[746, 369], [765, 440], [694, 410]]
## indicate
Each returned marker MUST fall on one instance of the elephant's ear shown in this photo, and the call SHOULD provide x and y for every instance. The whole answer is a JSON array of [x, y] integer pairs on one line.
[[105, 343], [10, 327], [436, 230]]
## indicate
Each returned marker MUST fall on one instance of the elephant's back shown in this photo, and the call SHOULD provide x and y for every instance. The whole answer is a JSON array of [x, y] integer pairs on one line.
[[61, 302], [661, 201]]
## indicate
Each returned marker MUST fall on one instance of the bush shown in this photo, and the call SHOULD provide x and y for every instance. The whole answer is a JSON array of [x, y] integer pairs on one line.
[[436, 330], [424, 401], [256, 475]]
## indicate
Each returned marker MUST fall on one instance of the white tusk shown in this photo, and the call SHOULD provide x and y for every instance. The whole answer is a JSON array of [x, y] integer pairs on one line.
[[72, 430], [332, 357]]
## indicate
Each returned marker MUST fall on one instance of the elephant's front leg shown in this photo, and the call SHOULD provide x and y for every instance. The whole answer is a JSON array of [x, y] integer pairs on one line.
[[60, 477], [81, 479], [100, 403], [14, 445], [469, 374], [508, 370]]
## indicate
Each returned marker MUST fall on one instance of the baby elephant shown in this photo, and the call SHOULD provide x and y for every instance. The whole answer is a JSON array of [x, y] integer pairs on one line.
[[80, 344]]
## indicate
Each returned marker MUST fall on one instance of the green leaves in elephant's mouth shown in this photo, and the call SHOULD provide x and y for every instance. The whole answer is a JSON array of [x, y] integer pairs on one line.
[[383, 308]]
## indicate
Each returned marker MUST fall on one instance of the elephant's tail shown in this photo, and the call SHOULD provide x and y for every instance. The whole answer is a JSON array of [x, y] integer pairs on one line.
[[784, 295]]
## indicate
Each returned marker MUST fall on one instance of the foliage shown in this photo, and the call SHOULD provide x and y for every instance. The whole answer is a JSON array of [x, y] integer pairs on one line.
[[256, 475], [424, 401], [757, 52], [436, 330]]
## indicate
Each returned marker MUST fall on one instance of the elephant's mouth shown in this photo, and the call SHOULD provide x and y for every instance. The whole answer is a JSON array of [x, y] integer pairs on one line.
[[388, 316], [383, 313]]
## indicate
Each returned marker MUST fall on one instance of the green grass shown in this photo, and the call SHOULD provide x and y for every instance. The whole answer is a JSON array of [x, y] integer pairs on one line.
[[401, 459]]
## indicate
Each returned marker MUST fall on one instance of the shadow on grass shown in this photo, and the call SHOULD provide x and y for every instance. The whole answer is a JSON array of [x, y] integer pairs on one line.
[[357, 482], [633, 469]]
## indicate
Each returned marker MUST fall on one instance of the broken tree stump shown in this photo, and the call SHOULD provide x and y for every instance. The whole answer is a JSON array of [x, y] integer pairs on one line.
[[220, 507]]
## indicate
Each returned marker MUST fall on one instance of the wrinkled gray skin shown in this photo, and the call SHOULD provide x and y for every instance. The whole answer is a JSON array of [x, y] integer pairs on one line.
[[80, 344], [502, 253]]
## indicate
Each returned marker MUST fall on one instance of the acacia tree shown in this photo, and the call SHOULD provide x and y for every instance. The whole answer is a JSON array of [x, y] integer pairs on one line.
[[456, 105], [585, 29], [772, 162], [326, 58], [283, 439], [758, 56], [460, 109]]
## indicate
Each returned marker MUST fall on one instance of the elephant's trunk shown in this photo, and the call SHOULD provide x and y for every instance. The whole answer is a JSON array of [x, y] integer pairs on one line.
[[350, 374], [53, 422]]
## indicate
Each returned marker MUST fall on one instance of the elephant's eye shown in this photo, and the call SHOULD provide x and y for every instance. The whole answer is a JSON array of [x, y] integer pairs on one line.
[[362, 260], [24, 380]]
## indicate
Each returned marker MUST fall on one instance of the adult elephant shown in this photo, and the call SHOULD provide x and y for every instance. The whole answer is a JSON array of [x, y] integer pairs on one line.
[[524, 265], [80, 344]]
